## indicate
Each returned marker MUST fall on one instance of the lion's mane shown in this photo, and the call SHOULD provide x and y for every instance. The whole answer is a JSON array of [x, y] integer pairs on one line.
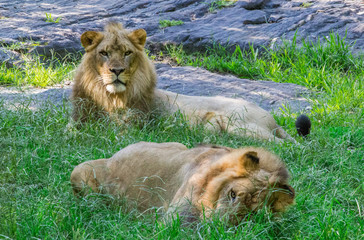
[[90, 92]]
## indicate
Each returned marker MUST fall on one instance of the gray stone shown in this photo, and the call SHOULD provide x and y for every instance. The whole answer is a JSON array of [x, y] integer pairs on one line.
[[10, 58], [256, 17], [289, 18], [273, 4], [33, 98], [24, 20], [252, 4]]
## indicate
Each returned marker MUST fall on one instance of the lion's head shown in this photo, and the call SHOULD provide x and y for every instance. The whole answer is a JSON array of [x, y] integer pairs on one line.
[[241, 181], [115, 53], [115, 72]]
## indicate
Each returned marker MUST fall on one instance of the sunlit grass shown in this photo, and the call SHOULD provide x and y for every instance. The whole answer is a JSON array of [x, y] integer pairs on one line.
[[304, 64], [219, 4], [169, 23], [36, 72]]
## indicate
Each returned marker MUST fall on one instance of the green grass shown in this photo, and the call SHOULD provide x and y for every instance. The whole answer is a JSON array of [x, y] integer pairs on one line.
[[169, 23], [38, 73], [285, 63], [37, 156], [306, 4], [50, 18], [21, 46], [219, 4]]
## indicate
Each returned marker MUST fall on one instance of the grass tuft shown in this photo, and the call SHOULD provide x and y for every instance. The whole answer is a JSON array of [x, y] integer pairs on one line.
[[169, 23], [219, 4], [50, 18]]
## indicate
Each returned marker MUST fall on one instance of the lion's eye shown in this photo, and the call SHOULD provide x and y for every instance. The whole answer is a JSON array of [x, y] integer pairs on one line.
[[104, 53], [232, 195], [127, 53]]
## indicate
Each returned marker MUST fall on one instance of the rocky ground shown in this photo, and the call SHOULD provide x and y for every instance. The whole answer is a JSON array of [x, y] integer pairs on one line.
[[260, 22]]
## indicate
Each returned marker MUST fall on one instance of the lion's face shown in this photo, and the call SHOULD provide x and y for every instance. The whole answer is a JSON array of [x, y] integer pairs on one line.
[[115, 61], [246, 195], [115, 54], [245, 181]]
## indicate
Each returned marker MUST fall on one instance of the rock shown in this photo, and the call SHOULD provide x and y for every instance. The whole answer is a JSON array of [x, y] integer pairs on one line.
[[252, 4], [10, 58], [297, 25], [58, 49], [26, 21], [273, 4], [275, 18], [238, 26], [256, 17], [13, 97]]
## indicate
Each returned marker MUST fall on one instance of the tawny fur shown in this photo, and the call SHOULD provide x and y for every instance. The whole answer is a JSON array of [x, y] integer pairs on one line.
[[94, 88], [193, 182], [89, 91]]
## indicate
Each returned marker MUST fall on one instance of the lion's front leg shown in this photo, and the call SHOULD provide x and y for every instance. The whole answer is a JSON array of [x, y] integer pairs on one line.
[[85, 109]]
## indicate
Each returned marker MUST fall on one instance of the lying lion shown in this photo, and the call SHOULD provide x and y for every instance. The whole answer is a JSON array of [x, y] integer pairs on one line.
[[193, 182], [115, 73]]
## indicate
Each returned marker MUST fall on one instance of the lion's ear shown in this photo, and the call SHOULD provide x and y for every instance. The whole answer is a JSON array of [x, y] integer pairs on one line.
[[250, 161], [91, 39], [138, 38]]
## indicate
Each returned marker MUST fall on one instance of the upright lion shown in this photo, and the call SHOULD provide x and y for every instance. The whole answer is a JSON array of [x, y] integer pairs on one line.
[[115, 73], [193, 182]]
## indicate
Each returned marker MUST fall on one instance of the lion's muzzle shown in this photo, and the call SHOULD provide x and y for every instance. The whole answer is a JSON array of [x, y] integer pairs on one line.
[[117, 86]]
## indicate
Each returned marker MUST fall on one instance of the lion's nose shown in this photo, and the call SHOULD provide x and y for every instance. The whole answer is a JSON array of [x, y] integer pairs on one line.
[[117, 71]]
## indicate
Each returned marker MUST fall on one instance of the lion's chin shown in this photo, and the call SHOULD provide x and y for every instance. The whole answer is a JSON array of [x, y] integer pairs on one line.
[[115, 88]]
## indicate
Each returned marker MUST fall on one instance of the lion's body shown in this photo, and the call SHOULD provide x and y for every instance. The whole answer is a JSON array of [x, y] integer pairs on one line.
[[187, 180], [224, 114], [115, 74]]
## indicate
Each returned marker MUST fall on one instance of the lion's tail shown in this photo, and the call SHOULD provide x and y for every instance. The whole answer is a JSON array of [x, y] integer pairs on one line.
[[303, 125]]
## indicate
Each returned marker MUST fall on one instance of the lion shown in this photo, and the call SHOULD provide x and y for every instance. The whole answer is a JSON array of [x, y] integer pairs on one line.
[[115, 74], [194, 183]]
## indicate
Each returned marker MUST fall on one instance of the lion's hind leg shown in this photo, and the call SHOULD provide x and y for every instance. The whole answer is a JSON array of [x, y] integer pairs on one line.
[[89, 176], [255, 131]]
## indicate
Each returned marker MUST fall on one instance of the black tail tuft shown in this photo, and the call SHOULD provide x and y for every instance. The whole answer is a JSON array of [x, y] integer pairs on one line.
[[303, 125]]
